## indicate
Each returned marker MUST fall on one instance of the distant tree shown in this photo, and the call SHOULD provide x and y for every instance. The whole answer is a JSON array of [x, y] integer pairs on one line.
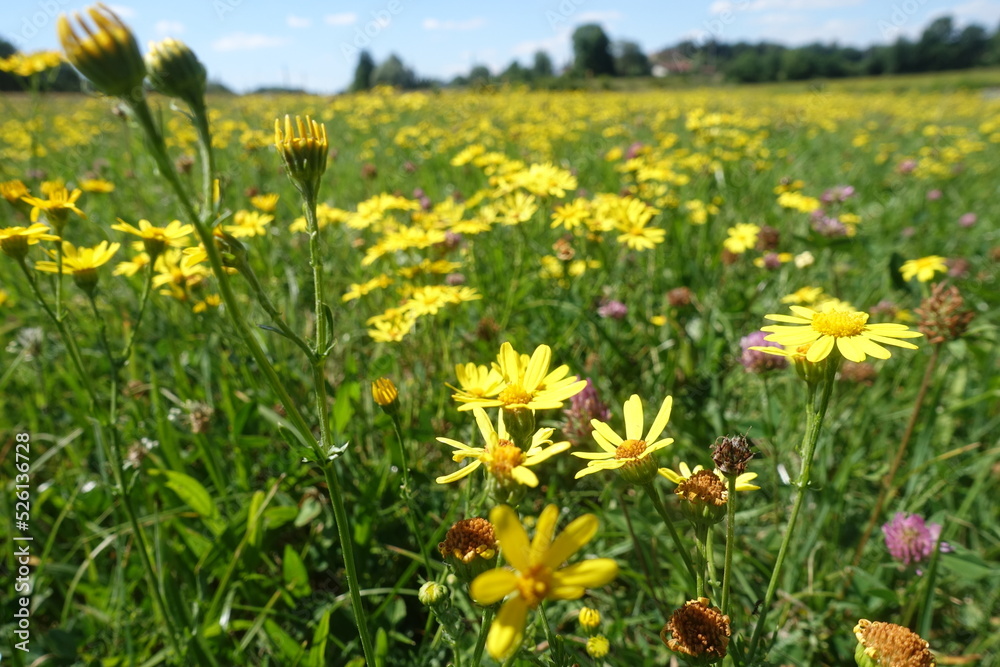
[[393, 72], [542, 66], [363, 72], [515, 73], [591, 51], [629, 60], [971, 47], [935, 48], [480, 74]]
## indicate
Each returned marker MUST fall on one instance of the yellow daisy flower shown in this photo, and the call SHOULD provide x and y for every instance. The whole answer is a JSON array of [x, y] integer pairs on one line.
[[80, 260], [56, 207], [850, 332], [537, 573], [98, 185], [266, 202], [741, 238], [924, 268], [631, 454], [13, 191], [684, 473], [14, 241], [527, 383], [504, 460], [156, 239]]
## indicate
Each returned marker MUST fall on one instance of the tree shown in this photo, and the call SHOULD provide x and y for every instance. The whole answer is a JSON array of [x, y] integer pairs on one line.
[[630, 60], [516, 74], [479, 75], [591, 51], [363, 72], [543, 65], [393, 72]]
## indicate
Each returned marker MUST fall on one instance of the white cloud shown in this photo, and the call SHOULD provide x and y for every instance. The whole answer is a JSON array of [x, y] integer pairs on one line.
[[168, 28], [799, 30], [722, 6], [347, 18], [977, 11], [241, 41], [123, 11], [558, 46], [468, 24], [298, 21]]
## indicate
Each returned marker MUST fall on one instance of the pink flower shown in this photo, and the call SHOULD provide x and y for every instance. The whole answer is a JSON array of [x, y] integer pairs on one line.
[[910, 540]]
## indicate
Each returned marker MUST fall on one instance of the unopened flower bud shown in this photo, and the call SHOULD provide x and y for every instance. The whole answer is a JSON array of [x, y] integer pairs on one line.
[[385, 395], [175, 71], [106, 54], [433, 594]]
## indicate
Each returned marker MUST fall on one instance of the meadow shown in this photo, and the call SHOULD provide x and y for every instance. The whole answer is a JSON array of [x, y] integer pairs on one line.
[[210, 426]]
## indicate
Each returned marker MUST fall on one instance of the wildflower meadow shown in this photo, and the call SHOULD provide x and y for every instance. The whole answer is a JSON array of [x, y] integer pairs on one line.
[[688, 376]]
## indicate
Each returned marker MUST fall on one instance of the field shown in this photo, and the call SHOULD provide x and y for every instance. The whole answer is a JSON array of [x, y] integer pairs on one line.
[[199, 459]]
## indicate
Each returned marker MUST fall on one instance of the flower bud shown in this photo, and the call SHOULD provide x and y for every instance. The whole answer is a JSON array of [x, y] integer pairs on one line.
[[303, 149], [433, 594], [385, 394], [598, 646], [589, 618], [175, 71], [106, 54]]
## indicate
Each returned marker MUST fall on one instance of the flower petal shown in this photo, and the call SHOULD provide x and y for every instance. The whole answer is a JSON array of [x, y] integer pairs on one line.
[[655, 447], [507, 630], [603, 443], [671, 475], [485, 425], [788, 319], [524, 476], [493, 585], [458, 474], [595, 456], [544, 529], [546, 453], [662, 417], [587, 573], [850, 350], [820, 349], [871, 348], [511, 536], [605, 430], [633, 418], [803, 312], [538, 367], [579, 531]]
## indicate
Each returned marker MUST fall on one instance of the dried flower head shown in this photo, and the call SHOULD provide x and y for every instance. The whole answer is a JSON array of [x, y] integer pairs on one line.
[[705, 495], [942, 314], [699, 630], [731, 454], [890, 645], [679, 297]]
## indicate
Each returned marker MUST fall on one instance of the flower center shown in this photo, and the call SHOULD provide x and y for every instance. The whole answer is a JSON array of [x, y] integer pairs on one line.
[[533, 585], [704, 486], [630, 449], [505, 457], [840, 324], [514, 394]]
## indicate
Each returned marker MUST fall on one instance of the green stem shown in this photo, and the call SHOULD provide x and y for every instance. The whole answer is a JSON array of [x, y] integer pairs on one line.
[[142, 114], [325, 439], [730, 539], [64, 334], [815, 422], [117, 459], [484, 630], [142, 310], [59, 277], [200, 114], [251, 276], [662, 511], [699, 545], [554, 650], [408, 496]]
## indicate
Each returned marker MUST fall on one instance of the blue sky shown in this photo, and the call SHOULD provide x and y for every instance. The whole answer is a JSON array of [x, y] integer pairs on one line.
[[313, 44]]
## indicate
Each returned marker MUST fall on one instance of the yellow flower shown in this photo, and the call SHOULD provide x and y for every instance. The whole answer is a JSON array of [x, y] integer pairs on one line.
[[156, 239], [14, 241], [131, 267], [249, 224], [4, 297], [78, 260], [923, 268], [572, 214], [504, 460], [107, 53], [598, 646], [742, 237], [537, 575], [527, 383], [97, 185], [685, 473], [804, 295], [56, 207], [13, 191], [384, 392], [631, 454], [266, 203], [477, 381], [303, 149], [849, 331], [589, 618]]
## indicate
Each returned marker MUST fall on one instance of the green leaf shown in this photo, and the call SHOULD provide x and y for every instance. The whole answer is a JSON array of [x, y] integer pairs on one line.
[[287, 648], [192, 493], [317, 653], [254, 518], [969, 566], [295, 574]]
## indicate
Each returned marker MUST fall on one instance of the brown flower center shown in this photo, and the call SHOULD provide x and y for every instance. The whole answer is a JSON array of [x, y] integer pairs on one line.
[[630, 449], [704, 486], [697, 629], [893, 645], [469, 538]]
